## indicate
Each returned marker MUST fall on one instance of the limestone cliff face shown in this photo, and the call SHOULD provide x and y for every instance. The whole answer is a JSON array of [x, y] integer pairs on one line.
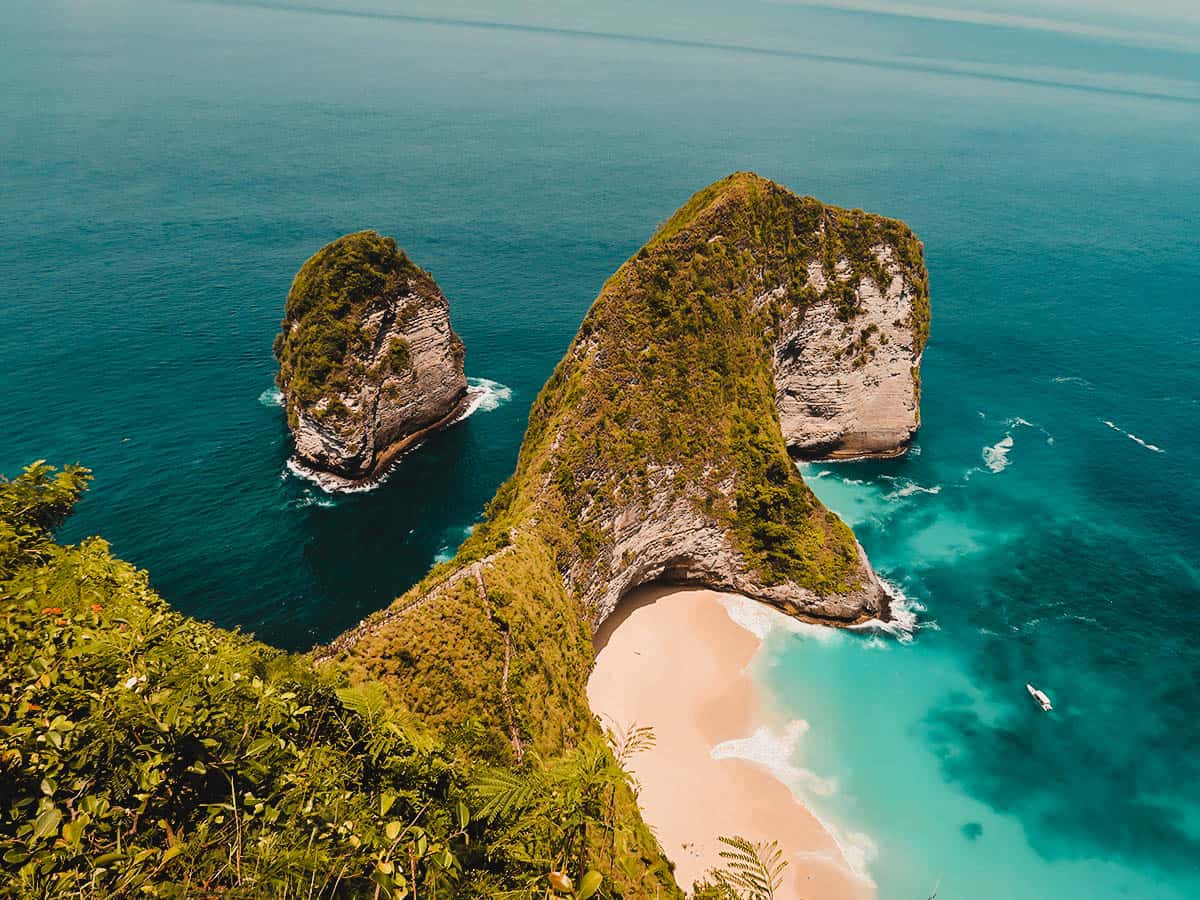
[[670, 539], [368, 359], [847, 386]]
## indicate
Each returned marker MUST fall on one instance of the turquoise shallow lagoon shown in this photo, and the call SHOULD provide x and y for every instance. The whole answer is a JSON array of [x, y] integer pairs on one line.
[[167, 166]]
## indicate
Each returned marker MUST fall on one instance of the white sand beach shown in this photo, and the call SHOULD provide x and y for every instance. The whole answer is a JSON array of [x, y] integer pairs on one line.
[[673, 659]]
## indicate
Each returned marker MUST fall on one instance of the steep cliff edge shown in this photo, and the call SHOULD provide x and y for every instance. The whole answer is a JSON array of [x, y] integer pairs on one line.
[[655, 452], [847, 360], [368, 361]]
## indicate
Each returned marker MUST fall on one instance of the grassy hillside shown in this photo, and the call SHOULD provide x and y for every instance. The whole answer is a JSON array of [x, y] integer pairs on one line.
[[146, 753]]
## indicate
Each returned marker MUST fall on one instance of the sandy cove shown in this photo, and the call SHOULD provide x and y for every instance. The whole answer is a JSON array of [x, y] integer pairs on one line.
[[673, 659]]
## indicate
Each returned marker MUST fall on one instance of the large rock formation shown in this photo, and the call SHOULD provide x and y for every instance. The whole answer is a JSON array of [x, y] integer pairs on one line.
[[368, 362], [655, 452]]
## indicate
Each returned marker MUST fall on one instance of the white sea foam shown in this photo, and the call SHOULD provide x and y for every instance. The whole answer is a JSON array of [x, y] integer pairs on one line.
[[1134, 438], [308, 498], [1072, 379], [1019, 422], [272, 396], [776, 752], [908, 488], [760, 619], [484, 396], [995, 457], [903, 623], [332, 484], [449, 545]]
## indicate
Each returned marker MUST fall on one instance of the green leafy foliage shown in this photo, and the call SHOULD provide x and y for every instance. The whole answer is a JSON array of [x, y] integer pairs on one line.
[[32, 505], [752, 871], [143, 752], [564, 818]]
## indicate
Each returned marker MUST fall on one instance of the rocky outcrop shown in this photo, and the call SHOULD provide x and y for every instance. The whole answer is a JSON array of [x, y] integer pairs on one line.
[[847, 386], [670, 539], [368, 360], [659, 451]]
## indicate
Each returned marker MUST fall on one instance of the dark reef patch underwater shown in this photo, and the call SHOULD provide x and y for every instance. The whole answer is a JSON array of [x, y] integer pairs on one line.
[[168, 166]]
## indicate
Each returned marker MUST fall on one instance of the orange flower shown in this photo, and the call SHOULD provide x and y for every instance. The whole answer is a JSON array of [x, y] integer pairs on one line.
[[96, 607], [61, 621], [52, 610]]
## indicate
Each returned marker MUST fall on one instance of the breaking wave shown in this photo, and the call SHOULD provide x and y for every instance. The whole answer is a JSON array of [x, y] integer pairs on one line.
[[308, 498], [776, 751], [485, 395], [332, 484], [1134, 438], [760, 620], [452, 539], [908, 488], [272, 396], [904, 623], [995, 457]]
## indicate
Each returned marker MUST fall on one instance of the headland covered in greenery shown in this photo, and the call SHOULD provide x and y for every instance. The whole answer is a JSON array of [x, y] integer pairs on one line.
[[445, 747]]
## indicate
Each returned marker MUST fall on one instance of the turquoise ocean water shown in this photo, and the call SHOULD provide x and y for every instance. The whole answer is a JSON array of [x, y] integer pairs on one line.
[[166, 167]]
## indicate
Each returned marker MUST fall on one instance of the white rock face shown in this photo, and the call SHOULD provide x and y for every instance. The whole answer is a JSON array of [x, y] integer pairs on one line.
[[389, 406], [848, 389]]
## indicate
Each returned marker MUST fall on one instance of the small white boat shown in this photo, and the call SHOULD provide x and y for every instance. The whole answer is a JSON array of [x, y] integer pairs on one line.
[[1040, 696]]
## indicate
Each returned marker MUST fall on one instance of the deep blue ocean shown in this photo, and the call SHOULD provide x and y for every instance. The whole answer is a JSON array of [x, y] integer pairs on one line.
[[165, 167]]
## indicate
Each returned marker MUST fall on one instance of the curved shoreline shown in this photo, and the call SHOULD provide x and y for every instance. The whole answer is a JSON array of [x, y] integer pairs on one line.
[[680, 668]]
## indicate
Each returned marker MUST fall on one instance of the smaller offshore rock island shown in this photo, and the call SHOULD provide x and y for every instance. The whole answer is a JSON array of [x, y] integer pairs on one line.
[[368, 361]]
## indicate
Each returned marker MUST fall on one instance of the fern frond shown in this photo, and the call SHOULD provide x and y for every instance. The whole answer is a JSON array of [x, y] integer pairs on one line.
[[753, 868], [504, 792], [628, 742]]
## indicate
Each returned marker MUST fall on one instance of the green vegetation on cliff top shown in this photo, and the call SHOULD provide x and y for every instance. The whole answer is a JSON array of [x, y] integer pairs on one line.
[[322, 330], [666, 392]]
